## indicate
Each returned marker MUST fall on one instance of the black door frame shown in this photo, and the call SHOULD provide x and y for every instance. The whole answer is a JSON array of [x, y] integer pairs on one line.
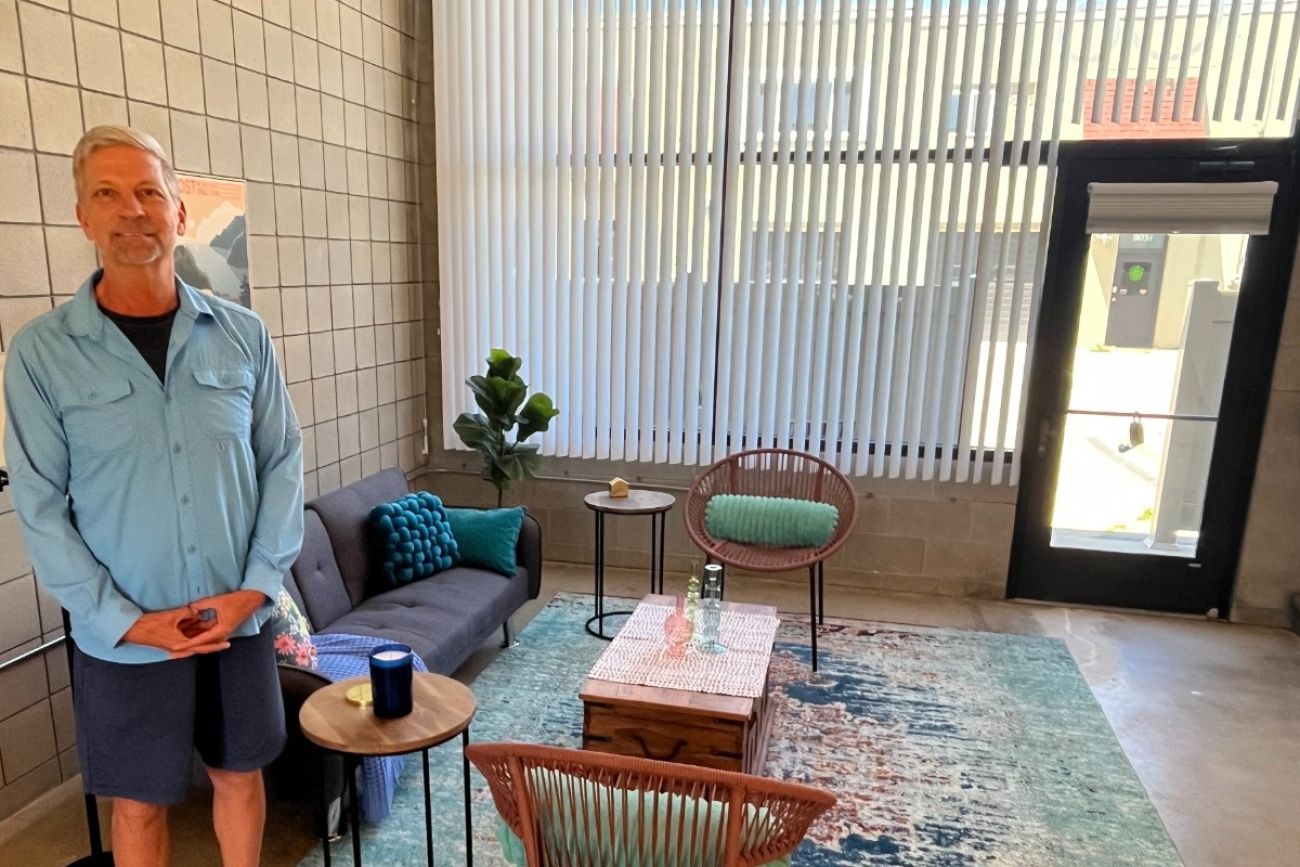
[[1152, 581]]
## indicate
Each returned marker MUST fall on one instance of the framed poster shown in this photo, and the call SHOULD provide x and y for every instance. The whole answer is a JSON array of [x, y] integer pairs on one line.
[[213, 253]]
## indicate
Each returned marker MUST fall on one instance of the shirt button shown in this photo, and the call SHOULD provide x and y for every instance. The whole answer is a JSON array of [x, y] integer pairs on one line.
[[93, 395], [177, 448], [191, 549], [185, 499], [225, 379]]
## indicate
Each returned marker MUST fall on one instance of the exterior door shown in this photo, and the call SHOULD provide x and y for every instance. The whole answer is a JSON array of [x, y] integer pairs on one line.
[[1166, 280]]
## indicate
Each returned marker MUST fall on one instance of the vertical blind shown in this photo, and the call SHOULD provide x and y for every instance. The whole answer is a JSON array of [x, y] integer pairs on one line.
[[821, 224]]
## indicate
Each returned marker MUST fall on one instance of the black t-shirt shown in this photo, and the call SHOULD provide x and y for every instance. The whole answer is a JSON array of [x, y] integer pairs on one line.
[[150, 335]]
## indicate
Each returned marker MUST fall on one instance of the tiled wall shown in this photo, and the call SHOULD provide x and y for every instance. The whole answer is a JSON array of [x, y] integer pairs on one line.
[[314, 104]]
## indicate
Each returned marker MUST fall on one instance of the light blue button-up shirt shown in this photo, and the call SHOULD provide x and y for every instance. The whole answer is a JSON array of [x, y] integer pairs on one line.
[[138, 496]]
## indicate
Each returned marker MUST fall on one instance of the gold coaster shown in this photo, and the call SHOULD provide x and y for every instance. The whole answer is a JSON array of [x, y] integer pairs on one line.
[[360, 695]]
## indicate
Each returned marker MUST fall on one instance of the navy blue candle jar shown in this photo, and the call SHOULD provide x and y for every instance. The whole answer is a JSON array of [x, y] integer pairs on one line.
[[391, 667]]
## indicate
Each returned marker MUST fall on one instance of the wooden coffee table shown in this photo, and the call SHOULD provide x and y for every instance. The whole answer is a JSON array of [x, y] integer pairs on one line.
[[696, 728]]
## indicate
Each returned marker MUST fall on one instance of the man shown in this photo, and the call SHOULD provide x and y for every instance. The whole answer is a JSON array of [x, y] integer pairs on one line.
[[156, 466]]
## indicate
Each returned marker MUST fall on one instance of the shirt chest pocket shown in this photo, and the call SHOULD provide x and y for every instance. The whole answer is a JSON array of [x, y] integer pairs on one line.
[[100, 418], [223, 407]]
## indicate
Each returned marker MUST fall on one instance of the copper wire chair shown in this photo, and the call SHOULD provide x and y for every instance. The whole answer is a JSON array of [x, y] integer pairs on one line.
[[574, 808], [775, 473]]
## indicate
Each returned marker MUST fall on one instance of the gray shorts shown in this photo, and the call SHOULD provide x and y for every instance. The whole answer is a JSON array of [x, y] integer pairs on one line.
[[138, 725]]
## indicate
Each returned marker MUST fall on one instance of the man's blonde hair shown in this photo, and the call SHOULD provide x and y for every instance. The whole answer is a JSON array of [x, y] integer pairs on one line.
[[107, 136]]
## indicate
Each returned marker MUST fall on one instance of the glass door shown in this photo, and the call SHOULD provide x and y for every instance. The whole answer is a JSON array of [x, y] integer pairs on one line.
[[1167, 274]]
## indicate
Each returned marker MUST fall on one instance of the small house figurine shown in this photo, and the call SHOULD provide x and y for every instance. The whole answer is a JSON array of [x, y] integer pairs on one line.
[[618, 488]]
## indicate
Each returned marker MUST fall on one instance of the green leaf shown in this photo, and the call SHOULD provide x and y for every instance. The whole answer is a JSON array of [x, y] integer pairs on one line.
[[535, 416], [498, 398], [473, 429], [503, 365]]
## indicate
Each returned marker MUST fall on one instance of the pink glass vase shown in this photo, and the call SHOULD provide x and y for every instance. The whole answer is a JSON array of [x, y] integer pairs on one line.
[[679, 630]]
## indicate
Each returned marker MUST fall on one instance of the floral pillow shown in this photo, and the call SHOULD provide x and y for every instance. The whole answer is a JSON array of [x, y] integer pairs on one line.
[[293, 644]]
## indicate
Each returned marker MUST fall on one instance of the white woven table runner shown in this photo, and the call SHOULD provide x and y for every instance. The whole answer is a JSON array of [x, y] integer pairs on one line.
[[638, 654]]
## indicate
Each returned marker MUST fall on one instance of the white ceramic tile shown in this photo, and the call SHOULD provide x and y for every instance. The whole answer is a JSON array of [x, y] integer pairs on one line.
[[103, 11], [99, 57], [284, 158], [279, 52], [140, 16], [24, 272], [288, 211], [180, 24], [349, 435], [302, 14], [47, 43], [359, 211], [345, 350], [71, 257], [11, 45], [340, 261], [293, 307], [392, 49], [314, 224], [146, 76], [15, 118], [357, 177], [376, 132], [190, 142], [184, 79], [257, 153], [324, 400], [317, 253], [350, 31], [363, 304], [319, 315], [354, 79], [21, 202], [346, 386], [306, 63], [253, 108], [379, 220], [250, 46], [327, 22], [336, 212], [56, 113], [292, 267], [322, 355], [216, 31], [282, 104], [311, 164], [220, 92], [333, 128], [260, 202], [297, 356], [361, 261], [303, 405], [372, 40], [264, 260], [331, 71], [309, 118], [154, 120], [98, 109], [224, 148], [58, 190], [354, 120], [276, 11]]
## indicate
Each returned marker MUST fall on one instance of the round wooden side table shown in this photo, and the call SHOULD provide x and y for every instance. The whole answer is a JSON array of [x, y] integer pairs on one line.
[[441, 709], [637, 502]]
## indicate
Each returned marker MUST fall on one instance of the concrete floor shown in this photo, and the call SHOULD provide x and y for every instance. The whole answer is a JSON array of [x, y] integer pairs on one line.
[[1208, 713]]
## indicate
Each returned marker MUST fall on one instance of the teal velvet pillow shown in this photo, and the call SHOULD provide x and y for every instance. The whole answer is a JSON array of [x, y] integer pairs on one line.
[[487, 538], [775, 522], [411, 538]]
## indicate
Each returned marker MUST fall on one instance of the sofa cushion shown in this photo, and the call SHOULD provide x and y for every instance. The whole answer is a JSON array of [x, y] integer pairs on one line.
[[411, 538], [293, 644], [343, 512], [443, 618], [316, 574]]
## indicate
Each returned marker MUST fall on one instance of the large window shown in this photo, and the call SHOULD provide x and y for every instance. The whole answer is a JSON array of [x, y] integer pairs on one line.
[[813, 223]]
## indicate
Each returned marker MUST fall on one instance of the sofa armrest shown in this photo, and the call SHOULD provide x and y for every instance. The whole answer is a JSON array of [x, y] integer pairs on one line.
[[528, 553], [297, 684]]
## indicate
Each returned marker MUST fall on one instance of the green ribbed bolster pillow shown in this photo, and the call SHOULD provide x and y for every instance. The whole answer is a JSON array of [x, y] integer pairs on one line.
[[775, 522]]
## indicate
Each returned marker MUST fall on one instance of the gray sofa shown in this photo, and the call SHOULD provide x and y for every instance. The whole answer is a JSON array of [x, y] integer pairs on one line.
[[443, 618]]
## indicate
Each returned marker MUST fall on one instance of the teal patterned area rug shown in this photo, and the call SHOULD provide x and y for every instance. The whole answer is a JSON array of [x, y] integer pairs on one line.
[[945, 748]]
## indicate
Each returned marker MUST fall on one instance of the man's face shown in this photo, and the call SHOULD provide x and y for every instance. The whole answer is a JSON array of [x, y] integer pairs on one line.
[[125, 208]]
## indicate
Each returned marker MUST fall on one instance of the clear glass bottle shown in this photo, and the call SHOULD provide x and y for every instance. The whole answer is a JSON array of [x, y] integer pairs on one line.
[[693, 596], [678, 630], [709, 624]]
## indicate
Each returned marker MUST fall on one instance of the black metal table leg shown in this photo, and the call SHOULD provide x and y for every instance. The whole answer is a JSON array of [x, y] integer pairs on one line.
[[663, 526], [821, 592], [654, 552], [469, 818], [428, 810], [350, 766], [325, 806], [599, 617], [812, 611]]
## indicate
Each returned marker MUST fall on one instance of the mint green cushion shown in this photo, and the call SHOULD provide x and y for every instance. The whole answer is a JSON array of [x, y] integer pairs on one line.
[[487, 538], [593, 799], [775, 522]]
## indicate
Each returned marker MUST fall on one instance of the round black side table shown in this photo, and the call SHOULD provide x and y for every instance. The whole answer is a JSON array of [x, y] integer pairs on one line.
[[656, 504]]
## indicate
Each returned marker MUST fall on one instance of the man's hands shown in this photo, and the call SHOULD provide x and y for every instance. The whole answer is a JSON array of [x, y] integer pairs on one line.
[[203, 626]]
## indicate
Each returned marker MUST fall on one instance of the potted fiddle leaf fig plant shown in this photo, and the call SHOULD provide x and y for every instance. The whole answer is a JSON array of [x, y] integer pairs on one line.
[[504, 402]]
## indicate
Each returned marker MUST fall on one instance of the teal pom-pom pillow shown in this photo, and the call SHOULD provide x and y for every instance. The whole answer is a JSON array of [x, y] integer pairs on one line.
[[411, 538], [487, 538], [774, 522]]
